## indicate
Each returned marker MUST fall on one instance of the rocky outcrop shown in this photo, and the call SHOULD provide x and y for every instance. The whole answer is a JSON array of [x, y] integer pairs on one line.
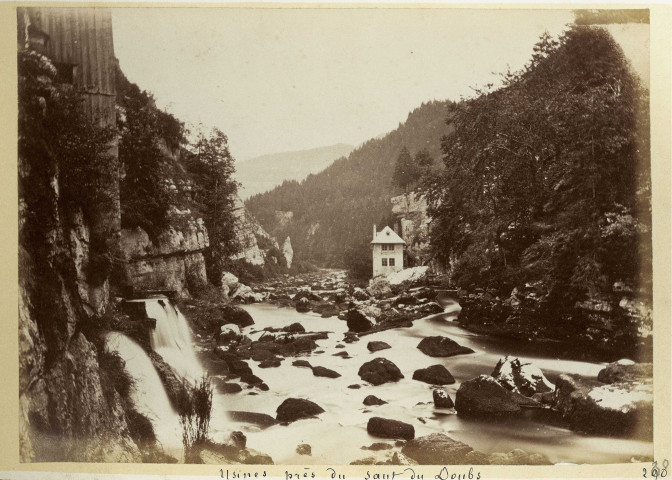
[[484, 395], [255, 242], [410, 211], [624, 407], [288, 252], [523, 378], [173, 261], [69, 409]]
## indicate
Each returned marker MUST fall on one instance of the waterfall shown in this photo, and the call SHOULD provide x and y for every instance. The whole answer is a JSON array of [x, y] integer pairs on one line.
[[148, 393], [172, 339]]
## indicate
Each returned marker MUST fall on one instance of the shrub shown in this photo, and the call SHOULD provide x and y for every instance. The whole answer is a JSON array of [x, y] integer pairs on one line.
[[195, 415]]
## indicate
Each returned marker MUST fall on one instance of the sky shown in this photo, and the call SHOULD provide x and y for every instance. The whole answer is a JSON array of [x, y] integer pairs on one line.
[[278, 80]]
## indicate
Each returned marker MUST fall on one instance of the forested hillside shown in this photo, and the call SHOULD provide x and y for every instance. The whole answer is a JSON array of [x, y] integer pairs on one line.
[[547, 180], [333, 212]]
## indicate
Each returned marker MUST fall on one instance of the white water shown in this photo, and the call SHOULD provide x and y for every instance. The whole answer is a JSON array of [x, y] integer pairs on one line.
[[172, 339], [148, 393], [337, 435]]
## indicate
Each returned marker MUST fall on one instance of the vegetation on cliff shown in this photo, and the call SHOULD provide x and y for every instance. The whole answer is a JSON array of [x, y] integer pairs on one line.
[[163, 174], [548, 178]]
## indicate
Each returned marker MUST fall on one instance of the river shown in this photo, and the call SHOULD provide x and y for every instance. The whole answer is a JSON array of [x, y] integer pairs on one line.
[[336, 436]]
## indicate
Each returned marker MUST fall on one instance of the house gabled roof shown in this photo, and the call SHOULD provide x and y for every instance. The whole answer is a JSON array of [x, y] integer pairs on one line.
[[387, 235]]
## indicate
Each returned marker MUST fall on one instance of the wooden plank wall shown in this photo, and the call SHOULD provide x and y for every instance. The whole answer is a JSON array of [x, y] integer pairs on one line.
[[82, 37]]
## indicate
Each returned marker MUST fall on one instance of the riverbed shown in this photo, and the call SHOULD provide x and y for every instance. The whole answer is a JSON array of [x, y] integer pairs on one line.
[[336, 436]]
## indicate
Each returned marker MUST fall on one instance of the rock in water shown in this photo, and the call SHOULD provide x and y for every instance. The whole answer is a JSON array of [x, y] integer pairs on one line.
[[386, 428], [379, 371], [523, 378], [485, 396], [435, 375], [295, 327], [325, 372], [437, 449], [624, 408], [261, 420], [625, 371], [441, 347], [294, 409], [304, 448], [358, 322], [376, 346], [373, 400], [237, 315], [441, 399], [303, 305]]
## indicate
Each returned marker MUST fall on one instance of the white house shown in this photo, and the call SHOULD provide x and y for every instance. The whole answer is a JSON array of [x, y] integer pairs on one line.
[[388, 251]]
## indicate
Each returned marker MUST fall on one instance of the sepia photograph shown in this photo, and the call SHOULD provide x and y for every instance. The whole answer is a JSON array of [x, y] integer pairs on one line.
[[335, 236]]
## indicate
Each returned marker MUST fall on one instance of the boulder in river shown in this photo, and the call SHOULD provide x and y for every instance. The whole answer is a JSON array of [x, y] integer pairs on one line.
[[293, 409], [236, 315], [325, 372], [622, 408], [261, 420], [442, 399], [379, 371], [373, 400], [303, 305], [295, 327], [441, 347], [304, 449], [228, 333], [437, 449], [358, 321], [251, 379], [326, 310], [523, 378], [302, 363], [484, 395], [435, 375], [387, 428], [429, 308], [625, 371], [379, 287], [377, 346]]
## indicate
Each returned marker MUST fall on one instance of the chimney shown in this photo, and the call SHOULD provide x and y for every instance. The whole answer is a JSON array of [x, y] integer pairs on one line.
[[374, 232]]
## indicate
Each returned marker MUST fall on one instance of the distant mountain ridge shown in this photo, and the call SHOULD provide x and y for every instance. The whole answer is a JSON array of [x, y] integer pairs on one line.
[[266, 172]]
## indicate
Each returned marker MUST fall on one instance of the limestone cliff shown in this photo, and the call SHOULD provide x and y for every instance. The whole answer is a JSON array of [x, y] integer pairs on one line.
[[410, 212], [256, 244], [174, 261]]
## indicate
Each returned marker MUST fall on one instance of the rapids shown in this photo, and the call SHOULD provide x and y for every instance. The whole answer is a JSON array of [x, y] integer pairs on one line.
[[336, 437]]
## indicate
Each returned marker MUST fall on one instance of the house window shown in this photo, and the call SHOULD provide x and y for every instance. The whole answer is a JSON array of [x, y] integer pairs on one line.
[[384, 262], [391, 262], [387, 247]]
